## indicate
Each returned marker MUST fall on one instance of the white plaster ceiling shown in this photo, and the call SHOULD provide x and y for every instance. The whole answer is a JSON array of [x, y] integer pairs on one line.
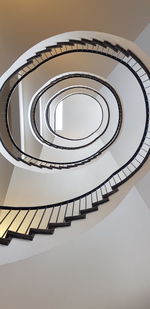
[[25, 23]]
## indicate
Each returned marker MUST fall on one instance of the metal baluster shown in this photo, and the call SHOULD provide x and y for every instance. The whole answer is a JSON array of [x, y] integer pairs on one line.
[[11, 223], [129, 60], [85, 202], [124, 173], [58, 214], [41, 218], [91, 199], [119, 177], [22, 221], [31, 221], [73, 209], [133, 165], [137, 160], [50, 216], [129, 169], [139, 70], [96, 196], [65, 212], [5, 216]]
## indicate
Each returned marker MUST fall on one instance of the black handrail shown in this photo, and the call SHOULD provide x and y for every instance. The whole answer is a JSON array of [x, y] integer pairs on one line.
[[65, 138], [89, 158], [73, 51], [132, 166], [112, 56], [65, 97]]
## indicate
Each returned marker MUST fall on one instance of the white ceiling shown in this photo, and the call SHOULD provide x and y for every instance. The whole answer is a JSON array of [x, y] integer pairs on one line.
[[25, 23]]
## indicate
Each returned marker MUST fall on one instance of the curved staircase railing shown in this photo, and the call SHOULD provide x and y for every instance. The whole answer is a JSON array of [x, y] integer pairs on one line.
[[126, 57], [25, 222], [72, 76]]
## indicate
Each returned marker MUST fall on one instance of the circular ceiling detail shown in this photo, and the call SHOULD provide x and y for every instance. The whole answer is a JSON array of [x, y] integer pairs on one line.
[[108, 112], [79, 114], [73, 90]]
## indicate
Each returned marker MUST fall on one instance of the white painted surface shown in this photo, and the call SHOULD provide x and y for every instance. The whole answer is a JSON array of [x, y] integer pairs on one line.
[[40, 189], [134, 114], [82, 116], [143, 188], [106, 267], [6, 170]]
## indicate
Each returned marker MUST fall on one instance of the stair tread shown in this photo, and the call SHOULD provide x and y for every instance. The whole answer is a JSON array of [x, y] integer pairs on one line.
[[51, 226], [88, 210], [19, 235], [76, 217], [59, 224], [5, 241], [41, 231], [104, 200], [114, 190]]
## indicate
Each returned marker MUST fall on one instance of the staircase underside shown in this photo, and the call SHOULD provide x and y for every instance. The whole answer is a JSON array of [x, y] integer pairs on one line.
[[25, 222]]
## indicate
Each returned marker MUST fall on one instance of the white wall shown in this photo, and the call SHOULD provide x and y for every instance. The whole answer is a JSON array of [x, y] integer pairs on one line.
[[82, 116], [6, 170], [143, 39], [107, 267], [143, 188], [134, 114], [35, 188]]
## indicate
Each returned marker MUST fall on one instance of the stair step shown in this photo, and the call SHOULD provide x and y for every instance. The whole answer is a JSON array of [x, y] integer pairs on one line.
[[5, 241], [59, 224], [41, 231], [51, 226], [77, 217], [88, 210], [13, 234], [104, 200], [114, 190], [114, 187]]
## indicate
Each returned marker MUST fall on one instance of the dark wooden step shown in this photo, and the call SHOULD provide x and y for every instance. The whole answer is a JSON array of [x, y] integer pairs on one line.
[[77, 217], [111, 192], [110, 45], [120, 183], [59, 224], [88, 210], [53, 46], [124, 51], [75, 41], [41, 231], [104, 200], [5, 241], [13, 234], [100, 43], [87, 41], [114, 187]]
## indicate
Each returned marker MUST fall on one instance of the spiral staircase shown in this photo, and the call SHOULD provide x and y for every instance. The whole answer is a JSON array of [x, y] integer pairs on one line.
[[83, 172]]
